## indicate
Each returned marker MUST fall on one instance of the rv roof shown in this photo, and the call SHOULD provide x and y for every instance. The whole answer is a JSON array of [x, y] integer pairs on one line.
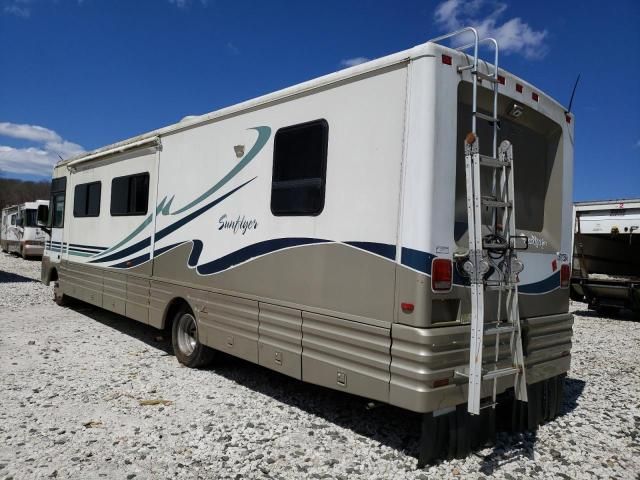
[[425, 49], [608, 204]]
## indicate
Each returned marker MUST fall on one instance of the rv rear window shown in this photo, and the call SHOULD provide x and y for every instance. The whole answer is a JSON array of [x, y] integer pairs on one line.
[[299, 169], [86, 200], [130, 195]]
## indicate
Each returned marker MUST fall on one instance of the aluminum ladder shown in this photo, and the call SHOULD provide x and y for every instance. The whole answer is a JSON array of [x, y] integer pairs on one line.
[[491, 245]]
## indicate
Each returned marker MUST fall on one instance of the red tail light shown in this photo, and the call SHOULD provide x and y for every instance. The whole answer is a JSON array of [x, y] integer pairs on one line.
[[501, 80], [441, 275], [518, 88], [534, 96], [446, 59], [565, 275]]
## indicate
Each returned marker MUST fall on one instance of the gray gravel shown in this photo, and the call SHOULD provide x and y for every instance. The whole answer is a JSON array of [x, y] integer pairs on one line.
[[73, 378]]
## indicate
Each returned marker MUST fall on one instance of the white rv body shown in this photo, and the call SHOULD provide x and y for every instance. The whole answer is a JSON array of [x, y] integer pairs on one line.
[[20, 233], [325, 297]]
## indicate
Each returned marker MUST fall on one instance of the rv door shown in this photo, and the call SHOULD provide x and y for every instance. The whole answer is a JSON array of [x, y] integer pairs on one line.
[[56, 218]]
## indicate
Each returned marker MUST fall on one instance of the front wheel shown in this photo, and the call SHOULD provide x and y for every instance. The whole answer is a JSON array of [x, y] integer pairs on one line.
[[184, 338]]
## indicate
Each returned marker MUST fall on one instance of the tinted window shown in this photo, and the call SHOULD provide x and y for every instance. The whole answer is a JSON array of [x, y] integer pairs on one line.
[[299, 169], [130, 194], [30, 218], [57, 212], [86, 200]]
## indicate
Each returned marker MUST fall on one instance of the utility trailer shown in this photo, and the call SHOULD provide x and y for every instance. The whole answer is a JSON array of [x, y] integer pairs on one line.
[[19, 232], [606, 255], [352, 232]]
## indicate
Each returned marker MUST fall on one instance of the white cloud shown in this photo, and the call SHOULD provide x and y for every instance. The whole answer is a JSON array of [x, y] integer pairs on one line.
[[19, 8], [513, 35], [35, 160], [187, 3], [352, 62]]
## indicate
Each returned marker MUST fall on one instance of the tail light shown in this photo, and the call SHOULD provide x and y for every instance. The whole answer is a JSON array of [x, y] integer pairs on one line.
[[441, 275], [565, 275], [446, 59]]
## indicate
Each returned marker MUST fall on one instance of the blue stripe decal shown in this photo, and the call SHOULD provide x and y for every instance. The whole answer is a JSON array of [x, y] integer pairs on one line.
[[382, 249], [252, 251], [91, 247], [543, 286], [136, 247], [420, 261]]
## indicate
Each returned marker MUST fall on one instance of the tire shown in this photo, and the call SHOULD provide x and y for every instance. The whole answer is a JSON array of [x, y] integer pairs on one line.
[[184, 338]]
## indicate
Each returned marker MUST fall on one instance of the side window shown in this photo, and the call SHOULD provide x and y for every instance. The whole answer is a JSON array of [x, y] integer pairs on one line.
[[86, 200], [130, 195], [13, 219], [299, 169], [56, 204]]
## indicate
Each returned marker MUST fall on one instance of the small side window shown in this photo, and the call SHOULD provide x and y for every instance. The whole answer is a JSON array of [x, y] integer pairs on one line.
[[86, 199], [130, 195], [56, 203], [299, 169]]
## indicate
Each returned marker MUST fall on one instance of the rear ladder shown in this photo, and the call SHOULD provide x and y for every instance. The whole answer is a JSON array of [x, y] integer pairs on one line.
[[491, 244]]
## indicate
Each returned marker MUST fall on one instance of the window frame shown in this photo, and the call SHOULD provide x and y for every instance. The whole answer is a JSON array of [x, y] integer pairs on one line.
[[301, 181], [58, 189], [130, 177], [86, 199]]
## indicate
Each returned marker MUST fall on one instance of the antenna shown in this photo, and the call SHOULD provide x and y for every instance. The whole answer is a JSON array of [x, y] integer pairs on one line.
[[60, 156], [575, 85]]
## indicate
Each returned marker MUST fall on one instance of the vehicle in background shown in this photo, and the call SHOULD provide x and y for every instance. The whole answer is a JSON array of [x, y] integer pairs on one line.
[[321, 231], [606, 255], [19, 231]]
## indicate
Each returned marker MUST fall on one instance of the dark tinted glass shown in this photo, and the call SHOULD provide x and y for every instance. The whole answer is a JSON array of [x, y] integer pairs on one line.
[[58, 210], [86, 200], [130, 195], [80, 200], [93, 199], [30, 217], [299, 169]]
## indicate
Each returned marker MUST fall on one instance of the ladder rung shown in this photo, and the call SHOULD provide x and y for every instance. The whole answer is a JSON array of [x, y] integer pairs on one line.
[[495, 246], [501, 372], [484, 76], [492, 202], [488, 118], [499, 330], [465, 67], [487, 161], [488, 405]]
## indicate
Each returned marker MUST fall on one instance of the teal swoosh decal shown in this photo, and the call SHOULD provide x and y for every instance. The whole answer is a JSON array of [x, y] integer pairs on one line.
[[164, 206], [263, 135]]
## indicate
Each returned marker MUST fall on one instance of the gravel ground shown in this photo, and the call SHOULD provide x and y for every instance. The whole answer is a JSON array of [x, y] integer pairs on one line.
[[74, 381]]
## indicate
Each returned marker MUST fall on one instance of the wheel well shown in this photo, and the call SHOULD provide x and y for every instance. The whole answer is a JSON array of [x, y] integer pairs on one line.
[[174, 305], [53, 275]]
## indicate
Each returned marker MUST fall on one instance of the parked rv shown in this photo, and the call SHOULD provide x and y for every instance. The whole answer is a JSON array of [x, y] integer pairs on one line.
[[322, 231], [606, 255], [19, 231]]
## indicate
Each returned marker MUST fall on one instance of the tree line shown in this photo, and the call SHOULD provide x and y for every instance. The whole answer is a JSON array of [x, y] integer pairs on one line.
[[13, 191]]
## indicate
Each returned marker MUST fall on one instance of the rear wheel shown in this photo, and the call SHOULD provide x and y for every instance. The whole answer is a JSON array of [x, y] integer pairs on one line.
[[186, 346]]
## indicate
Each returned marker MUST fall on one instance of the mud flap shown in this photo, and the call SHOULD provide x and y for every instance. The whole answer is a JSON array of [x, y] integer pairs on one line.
[[458, 433]]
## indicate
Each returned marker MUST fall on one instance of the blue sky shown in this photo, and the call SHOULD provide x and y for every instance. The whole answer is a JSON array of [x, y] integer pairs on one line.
[[79, 74]]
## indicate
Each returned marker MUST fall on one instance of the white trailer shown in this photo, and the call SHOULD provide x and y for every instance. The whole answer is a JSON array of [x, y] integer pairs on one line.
[[606, 254], [321, 231], [19, 232]]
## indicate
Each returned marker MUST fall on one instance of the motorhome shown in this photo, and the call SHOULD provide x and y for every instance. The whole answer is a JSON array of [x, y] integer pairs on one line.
[[606, 255], [355, 231], [19, 232]]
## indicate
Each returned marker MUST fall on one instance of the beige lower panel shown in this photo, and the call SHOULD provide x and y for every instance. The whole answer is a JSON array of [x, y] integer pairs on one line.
[[114, 292], [228, 324], [280, 339], [83, 283], [346, 355], [160, 294], [137, 305]]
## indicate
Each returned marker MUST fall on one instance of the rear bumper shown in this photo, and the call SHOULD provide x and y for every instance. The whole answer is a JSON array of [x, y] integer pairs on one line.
[[420, 356], [33, 249]]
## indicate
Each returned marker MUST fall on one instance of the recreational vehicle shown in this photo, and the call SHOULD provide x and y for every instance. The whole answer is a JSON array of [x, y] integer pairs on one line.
[[606, 255], [19, 232], [371, 231]]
